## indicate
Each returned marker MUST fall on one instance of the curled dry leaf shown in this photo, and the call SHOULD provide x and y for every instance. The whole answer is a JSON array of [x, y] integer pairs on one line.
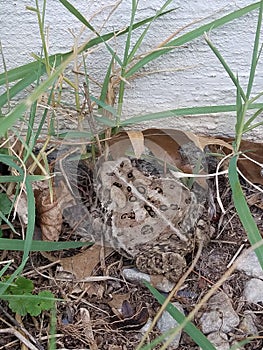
[[137, 140], [49, 215], [117, 301], [49, 210], [163, 144], [251, 170], [130, 319], [167, 144]]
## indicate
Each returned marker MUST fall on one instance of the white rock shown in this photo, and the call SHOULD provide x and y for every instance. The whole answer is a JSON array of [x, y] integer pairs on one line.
[[167, 322], [135, 276], [253, 291], [251, 266], [221, 315], [219, 340]]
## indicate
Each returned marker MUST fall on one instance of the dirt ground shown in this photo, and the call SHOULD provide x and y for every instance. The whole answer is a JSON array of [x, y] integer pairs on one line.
[[89, 315]]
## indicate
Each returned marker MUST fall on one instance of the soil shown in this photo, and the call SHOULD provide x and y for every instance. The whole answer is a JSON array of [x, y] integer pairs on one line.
[[88, 317]]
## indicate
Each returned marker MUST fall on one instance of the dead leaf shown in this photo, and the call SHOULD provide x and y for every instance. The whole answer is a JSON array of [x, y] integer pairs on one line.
[[49, 215], [130, 319], [64, 196], [251, 170], [203, 141], [137, 140], [164, 144], [82, 265], [117, 300]]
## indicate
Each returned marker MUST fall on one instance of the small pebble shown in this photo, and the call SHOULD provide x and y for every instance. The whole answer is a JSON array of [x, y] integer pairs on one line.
[[251, 266], [253, 291], [167, 322], [220, 315], [247, 325], [219, 340], [135, 276]]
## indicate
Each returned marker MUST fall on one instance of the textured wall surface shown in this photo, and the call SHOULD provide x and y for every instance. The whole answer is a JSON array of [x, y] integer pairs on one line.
[[188, 76]]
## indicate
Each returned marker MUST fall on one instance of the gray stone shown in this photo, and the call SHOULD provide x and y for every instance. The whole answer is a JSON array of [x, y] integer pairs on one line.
[[221, 315], [247, 325], [167, 322], [219, 340], [251, 266], [135, 276], [253, 291]]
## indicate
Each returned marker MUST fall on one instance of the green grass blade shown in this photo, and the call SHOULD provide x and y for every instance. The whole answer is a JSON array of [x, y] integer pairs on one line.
[[83, 20], [17, 88], [106, 121], [190, 36], [78, 15], [32, 116], [5, 268], [243, 211], [251, 127], [41, 122], [19, 72], [125, 61], [74, 135], [225, 65], [31, 209], [17, 272], [10, 161], [41, 25], [106, 82], [240, 117], [252, 118], [56, 59], [186, 111], [39, 246], [20, 178], [10, 225], [104, 105], [128, 40], [239, 105], [28, 73], [138, 43], [189, 327], [28, 69], [255, 52], [9, 120]]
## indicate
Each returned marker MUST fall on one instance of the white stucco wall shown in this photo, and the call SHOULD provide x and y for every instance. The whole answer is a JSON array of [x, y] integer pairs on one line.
[[189, 76]]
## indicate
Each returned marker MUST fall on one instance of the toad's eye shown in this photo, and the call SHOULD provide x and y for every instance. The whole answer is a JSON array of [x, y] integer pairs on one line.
[[130, 175], [158, 190]]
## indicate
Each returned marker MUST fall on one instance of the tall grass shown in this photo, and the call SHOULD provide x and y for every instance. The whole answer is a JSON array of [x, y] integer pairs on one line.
[[50, 69]]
